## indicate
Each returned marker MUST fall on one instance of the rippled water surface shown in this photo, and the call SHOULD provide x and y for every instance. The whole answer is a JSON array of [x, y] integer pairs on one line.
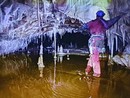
[[19, 78]]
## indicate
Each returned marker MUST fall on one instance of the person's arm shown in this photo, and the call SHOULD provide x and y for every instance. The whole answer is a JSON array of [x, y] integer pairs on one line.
[[105, 23], [85, 26], [112, 21], [109, 23]]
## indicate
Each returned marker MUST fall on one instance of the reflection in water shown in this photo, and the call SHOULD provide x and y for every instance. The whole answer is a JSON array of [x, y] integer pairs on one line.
[[60, 79], [68, 57], [40, 65], [54, 82], [59, 58], [94, 88], [41, 71]]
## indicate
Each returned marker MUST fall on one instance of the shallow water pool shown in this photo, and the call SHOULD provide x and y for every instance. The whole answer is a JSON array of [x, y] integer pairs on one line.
[[19, 78]]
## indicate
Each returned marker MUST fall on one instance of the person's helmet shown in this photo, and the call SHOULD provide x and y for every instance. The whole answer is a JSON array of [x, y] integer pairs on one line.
[[100, 13]]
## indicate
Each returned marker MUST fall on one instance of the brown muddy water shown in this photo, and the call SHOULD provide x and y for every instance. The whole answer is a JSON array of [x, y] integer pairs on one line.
[[19, 78]]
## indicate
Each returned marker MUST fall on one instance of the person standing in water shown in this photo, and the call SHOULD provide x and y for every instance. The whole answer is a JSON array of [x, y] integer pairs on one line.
[[97, 29]]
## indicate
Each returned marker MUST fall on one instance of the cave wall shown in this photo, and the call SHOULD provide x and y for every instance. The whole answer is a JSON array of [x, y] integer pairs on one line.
[[83, 10]]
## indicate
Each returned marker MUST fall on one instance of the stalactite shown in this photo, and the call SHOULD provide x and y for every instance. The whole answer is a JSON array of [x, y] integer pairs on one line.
[[116, 39], [75, 11], [123, 35], [112, 45], [3, 3], [1, 16], [119, 7]]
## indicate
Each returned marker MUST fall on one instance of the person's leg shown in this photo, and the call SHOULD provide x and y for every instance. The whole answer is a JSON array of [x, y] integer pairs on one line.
[[89, 66], [94, 62], [96, 65], [97, 69]]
